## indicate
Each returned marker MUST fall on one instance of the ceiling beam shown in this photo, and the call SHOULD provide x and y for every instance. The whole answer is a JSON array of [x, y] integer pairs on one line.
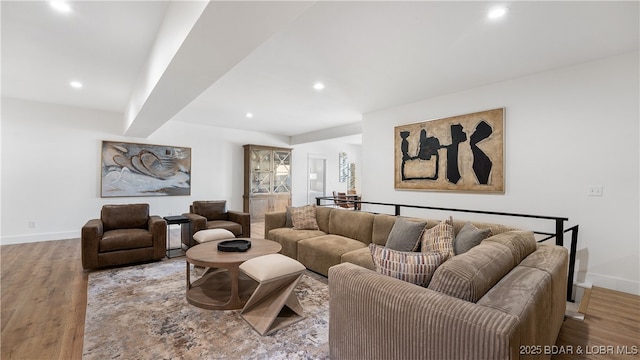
[[350, 129], [197, 44]]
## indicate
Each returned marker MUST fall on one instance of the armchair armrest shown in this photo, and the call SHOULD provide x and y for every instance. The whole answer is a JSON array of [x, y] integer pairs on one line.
[[198, 222], [158, 229], [274, 220], [90, 242], [376, 316], [242, 218]]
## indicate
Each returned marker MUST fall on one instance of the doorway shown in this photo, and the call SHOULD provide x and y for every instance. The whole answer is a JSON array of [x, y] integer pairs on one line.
[[316, 178]]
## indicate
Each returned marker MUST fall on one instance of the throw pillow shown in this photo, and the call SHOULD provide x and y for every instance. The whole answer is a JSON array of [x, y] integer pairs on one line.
[[468, 237], [414, 267], [304, 217], [439, 238], [405, 235]]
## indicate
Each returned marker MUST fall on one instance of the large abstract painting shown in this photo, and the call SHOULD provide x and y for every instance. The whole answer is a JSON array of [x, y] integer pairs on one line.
[[130, 169], [460, 153]]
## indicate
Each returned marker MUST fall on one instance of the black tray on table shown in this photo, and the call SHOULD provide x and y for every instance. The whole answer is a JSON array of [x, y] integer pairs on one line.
[[234, 245]]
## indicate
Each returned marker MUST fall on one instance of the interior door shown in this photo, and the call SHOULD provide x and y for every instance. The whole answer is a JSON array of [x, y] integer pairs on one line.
[[316, 178]]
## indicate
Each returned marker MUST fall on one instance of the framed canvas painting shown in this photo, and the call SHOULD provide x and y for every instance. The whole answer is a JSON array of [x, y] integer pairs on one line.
[[459, 153], [130, 169]]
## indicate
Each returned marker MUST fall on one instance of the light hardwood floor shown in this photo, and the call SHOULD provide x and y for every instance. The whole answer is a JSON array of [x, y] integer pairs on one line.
[[44, 297]]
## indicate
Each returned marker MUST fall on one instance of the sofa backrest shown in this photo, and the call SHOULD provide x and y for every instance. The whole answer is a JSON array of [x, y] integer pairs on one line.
[[212, 210], [127, 216], [356, 225], [383, 223], [521, 243], [495, 228], [470, 275], [322, 217]]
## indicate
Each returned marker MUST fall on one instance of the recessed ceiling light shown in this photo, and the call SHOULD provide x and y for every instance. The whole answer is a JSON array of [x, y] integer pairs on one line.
[[249, 115], [318, 86], [75, 84], [497, 13], [60, 6]]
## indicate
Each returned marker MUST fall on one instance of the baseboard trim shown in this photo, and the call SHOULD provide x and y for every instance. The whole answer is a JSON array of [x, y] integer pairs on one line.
[[613, 283], [23, 239]]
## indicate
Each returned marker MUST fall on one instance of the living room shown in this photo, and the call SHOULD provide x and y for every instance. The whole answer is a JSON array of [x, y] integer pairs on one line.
[[571, 125]]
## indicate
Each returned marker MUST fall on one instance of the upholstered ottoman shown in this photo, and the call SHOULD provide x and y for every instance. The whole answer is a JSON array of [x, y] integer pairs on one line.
[[274, 304], [203, 236]]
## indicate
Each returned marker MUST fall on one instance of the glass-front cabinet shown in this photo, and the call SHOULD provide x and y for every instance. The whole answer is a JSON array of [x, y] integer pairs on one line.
[[267, 179]]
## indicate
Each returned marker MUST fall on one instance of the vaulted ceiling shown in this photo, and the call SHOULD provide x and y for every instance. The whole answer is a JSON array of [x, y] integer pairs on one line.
[[213, 62]]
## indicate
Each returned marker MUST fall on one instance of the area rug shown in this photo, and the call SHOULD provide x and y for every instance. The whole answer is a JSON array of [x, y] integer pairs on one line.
[[141, 312]]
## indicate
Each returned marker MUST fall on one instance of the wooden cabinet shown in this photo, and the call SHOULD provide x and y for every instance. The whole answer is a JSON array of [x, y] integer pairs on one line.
[[267, 180]]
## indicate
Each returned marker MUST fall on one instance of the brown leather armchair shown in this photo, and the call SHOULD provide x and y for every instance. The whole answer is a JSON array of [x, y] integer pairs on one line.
[[214, 215], [124, 234]]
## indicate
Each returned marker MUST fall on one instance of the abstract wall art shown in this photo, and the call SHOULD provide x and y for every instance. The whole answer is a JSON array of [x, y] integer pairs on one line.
[[130, 169], [459, 153]]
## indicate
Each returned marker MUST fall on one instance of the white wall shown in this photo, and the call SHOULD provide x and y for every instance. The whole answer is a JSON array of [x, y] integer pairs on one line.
[[566, 130], [51, 167], [328, 149]]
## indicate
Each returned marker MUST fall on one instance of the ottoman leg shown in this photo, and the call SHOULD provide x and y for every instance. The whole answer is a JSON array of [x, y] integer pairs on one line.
[[273, 305]]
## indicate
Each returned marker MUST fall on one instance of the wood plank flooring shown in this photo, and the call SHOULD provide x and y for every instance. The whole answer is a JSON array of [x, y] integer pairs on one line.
[[610, 330], [44, 297]]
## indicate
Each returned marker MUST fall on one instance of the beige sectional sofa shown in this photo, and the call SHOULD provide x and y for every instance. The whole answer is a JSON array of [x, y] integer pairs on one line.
[[343, 236], [503, 299]]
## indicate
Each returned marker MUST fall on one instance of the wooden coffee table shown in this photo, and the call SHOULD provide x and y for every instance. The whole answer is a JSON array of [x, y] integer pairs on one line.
[[223, 286]]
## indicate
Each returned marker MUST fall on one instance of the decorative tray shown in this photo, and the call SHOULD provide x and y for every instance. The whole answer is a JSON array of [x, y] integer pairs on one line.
[[234, 245]]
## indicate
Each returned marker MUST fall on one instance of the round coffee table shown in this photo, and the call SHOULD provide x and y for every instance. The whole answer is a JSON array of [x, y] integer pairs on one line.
[[223, 286]]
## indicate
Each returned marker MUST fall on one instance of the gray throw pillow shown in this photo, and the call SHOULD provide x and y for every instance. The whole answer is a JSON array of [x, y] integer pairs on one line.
[[405, 235], [468, 237]]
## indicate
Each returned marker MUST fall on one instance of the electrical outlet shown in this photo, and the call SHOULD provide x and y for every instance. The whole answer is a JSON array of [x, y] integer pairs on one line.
[[595, 191], [32, 224]]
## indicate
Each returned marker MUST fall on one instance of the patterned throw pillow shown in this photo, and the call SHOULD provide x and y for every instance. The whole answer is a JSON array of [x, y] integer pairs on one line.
[[414, 267], [439, 238], [304, 217]]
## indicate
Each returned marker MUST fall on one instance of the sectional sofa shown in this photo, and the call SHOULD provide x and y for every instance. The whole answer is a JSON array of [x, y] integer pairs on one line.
[[502, 299]]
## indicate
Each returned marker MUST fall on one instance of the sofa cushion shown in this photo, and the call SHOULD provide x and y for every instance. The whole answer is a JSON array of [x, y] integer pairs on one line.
[[212, 210], [553, 260], [125, 239], [130, 216], [439, 238], [304, 218], [356, 225], [323, 213], [405, 235], [469, 276], [526, 293], [322, 252], [521, 243], [361, 257], [382, 225], [414, 267], [468, 237], [288, 238], [288, 222]]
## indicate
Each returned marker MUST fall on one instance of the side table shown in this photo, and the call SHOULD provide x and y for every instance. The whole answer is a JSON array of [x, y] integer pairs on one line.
[[176, 220]]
